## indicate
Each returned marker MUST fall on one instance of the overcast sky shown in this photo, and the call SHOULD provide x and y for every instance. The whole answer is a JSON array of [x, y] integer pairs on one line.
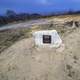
[[39, 6]]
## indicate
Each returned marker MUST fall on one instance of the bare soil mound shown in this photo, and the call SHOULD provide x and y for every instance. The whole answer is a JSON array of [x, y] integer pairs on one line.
[[24, 61]]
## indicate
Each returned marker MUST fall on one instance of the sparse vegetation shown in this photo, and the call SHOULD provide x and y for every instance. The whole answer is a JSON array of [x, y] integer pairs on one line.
[[24, 61], [8, 37]]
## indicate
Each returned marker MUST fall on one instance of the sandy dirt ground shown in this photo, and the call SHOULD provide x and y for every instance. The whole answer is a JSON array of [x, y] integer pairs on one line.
[[24, 61]]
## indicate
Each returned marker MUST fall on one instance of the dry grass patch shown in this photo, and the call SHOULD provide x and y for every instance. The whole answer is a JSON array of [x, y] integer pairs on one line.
[[8, 37]]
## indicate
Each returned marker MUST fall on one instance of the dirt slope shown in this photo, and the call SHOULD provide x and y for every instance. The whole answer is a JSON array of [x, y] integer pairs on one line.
[[23, 61]]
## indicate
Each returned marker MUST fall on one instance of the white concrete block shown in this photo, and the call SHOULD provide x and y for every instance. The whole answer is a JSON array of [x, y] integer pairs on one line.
[[51, 38]]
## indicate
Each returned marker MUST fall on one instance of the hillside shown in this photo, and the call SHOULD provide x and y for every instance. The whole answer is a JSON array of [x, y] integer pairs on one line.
[[24, 61]]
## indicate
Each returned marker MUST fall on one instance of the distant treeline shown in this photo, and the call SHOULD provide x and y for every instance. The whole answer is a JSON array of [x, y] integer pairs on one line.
[[11, 16]]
